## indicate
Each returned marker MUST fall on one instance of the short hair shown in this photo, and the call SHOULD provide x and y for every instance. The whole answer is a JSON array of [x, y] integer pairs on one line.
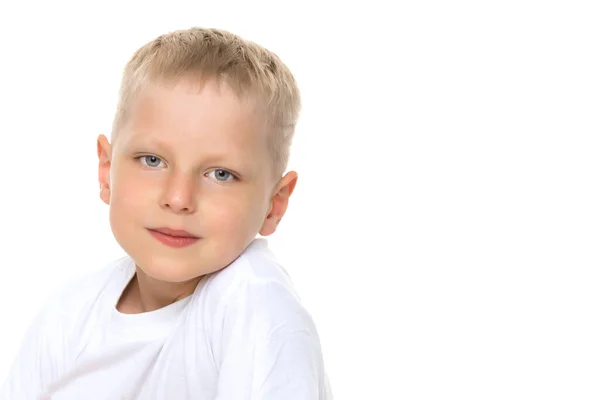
[[248, 68]]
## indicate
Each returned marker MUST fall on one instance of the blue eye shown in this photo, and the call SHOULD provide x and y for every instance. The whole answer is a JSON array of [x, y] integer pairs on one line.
[[221, 175], [151, 161]]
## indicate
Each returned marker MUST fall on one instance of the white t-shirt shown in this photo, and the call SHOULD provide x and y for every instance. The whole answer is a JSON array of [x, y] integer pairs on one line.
[[243, 334]]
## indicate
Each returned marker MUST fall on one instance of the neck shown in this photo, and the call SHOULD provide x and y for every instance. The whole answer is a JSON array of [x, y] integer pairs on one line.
[[144, 293]]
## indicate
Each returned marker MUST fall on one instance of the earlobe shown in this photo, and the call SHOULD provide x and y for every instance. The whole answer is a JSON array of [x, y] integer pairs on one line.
[[104, 162]]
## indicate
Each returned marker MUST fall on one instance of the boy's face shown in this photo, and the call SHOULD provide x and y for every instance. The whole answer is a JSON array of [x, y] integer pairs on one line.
[[192, 160]]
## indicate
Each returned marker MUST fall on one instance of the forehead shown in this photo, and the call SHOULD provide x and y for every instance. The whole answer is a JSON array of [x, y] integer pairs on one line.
[[194, 116]]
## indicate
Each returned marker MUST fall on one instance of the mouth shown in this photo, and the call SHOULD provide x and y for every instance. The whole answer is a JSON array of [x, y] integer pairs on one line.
[[178, 233], [173, 237]]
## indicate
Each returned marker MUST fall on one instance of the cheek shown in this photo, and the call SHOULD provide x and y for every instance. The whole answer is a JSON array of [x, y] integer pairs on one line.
[[128, 191], [235, 215]]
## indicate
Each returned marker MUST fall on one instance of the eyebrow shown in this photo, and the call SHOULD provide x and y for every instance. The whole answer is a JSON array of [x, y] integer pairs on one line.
[[142, 140]]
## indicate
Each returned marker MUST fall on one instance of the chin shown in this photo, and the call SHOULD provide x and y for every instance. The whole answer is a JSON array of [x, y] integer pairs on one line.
[[166, 269]]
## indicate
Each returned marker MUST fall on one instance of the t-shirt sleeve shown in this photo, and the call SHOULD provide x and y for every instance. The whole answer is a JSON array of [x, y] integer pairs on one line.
[[47, 347], [35, 364], [269, 348]]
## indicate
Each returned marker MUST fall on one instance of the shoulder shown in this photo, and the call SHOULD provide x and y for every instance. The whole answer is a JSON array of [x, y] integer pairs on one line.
[[77, 306], [53, 339], [257, 290], [78, 294], [257, 265], [263, 339]]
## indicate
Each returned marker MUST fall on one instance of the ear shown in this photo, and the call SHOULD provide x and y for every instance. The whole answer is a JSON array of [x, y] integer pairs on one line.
[[104, 159], [279, 203]]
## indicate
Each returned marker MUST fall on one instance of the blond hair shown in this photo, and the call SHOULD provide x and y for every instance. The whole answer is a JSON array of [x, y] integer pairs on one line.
[[249, 69]]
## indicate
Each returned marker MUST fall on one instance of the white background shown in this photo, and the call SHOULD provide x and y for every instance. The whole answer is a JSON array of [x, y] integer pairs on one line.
[[446, 226]]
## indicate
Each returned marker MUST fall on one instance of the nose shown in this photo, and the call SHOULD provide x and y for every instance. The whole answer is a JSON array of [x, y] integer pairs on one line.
[[179, 194]]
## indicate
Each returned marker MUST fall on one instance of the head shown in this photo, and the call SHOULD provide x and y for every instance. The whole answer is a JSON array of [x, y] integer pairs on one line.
[[200, 143]]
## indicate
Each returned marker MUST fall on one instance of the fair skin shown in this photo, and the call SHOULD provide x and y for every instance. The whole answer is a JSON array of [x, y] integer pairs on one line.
[[191, 158]]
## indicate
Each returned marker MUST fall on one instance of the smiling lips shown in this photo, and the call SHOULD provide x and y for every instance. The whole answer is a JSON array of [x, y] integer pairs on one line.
[[173, 237]]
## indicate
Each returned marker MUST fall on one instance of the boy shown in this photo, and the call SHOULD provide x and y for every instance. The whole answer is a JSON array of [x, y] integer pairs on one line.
[[199, 308]]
